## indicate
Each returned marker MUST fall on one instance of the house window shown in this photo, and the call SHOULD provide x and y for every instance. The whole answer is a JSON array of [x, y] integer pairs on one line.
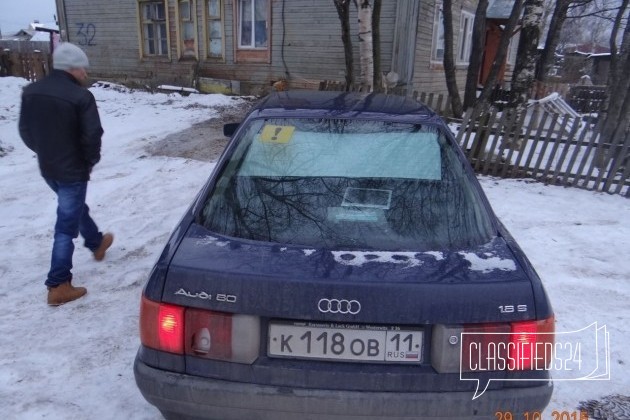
[[214, 27], [437, 53], [252, 24], [252, 31], [187, 28], [153, 28], [465, 37]]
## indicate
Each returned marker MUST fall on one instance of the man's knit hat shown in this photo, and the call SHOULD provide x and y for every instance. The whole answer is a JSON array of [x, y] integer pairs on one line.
[[68, 56]]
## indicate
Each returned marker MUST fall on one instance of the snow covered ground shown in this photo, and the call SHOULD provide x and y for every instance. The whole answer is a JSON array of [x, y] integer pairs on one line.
[[75, 361]]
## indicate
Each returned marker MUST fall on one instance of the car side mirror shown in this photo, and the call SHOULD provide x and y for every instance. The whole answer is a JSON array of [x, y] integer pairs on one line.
[[229, 129]]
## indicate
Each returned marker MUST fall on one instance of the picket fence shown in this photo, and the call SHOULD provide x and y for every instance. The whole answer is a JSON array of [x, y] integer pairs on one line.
[[551, 148], [555, 148]]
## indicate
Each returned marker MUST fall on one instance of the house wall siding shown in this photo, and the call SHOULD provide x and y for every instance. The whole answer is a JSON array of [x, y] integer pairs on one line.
[[109, 34], [312, 49], [306, 45], [429, 74]]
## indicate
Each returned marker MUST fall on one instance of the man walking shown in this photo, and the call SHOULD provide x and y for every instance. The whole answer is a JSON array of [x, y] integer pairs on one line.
[[59, 121]]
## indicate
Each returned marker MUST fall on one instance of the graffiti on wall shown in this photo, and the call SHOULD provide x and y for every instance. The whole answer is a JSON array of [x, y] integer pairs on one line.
[[86, 32]]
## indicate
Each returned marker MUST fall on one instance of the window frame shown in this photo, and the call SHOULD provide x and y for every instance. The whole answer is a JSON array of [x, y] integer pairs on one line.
[[251, 54], [143, 54], [464, 44], [192, 19], [438, 28], [207, 20]]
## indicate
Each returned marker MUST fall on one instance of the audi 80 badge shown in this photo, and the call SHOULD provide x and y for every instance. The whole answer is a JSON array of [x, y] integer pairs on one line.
[[334, 266]]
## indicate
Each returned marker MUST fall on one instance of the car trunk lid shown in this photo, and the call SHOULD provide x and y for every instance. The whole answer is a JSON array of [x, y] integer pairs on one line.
[[270, 280]]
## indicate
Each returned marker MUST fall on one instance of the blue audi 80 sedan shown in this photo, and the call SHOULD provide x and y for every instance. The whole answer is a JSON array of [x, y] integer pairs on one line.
[[342, 262]]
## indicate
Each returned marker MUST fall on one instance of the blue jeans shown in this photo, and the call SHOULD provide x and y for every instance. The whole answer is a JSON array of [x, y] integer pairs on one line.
[[73, 217]]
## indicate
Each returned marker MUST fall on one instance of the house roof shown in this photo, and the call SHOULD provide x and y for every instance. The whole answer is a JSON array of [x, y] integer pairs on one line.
[[40, 36], [45, 26], [587, 49], [499, 9], [21, 35]]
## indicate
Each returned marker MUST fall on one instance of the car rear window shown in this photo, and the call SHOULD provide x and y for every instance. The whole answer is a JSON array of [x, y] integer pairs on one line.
[[346, 184], [283, 151]]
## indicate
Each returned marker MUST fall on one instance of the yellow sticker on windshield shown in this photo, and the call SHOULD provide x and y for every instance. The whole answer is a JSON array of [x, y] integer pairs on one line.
[[277, 134]]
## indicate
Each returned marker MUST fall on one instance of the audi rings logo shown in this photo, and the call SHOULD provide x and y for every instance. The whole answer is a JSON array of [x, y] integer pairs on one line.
[[339, 306]]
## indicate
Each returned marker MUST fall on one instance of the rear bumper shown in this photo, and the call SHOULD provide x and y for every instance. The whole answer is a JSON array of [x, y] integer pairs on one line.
[[216, 399]]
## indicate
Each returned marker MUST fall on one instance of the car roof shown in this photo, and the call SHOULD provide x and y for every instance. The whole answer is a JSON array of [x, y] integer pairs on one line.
[[326, 103]]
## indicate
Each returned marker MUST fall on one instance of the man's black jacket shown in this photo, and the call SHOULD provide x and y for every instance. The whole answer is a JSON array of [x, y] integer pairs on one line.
[[59, 121]]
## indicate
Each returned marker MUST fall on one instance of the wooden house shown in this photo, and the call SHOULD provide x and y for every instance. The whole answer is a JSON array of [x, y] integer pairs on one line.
[[244, 46]]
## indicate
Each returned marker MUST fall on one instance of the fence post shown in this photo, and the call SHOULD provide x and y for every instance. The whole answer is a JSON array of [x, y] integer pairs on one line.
[[577, 122], [5, 62], [554, 149], [38, 66], [484, 129], [618, 157], [488, 161], [438, 107], [515, 143], [466, 129], [17, 68], [576, 151]]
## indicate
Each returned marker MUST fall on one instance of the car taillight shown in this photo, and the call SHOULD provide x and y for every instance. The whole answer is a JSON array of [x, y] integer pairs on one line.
[[198, 332], [162, 326], [480, 344], [531, 344], [520, 345], [222, 336]]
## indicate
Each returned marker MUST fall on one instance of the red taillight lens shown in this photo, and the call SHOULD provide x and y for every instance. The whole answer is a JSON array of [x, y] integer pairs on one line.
[[162, 326], [481, 345], [522, 345], [513, 346], [531, 344]]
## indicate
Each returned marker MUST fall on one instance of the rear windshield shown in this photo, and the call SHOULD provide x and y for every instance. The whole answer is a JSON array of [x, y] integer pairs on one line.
[[346, 184]]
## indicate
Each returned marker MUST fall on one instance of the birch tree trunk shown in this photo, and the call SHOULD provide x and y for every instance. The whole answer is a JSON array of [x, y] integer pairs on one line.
[[366, 52]]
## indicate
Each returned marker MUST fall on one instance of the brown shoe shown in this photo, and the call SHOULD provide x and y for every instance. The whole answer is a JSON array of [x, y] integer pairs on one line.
[[64, 293], [106, 242]]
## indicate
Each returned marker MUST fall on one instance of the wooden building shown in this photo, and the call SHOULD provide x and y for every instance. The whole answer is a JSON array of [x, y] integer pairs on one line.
[[497, 17], [244, 46]]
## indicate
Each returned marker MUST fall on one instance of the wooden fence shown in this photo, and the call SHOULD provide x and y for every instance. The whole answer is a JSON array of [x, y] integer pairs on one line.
[[437, 102], [559, 149], [33, 65], [587, 99], [552, 148]]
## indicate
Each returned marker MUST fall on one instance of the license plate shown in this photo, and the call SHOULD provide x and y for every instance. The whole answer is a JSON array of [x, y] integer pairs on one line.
[[345, 342]]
